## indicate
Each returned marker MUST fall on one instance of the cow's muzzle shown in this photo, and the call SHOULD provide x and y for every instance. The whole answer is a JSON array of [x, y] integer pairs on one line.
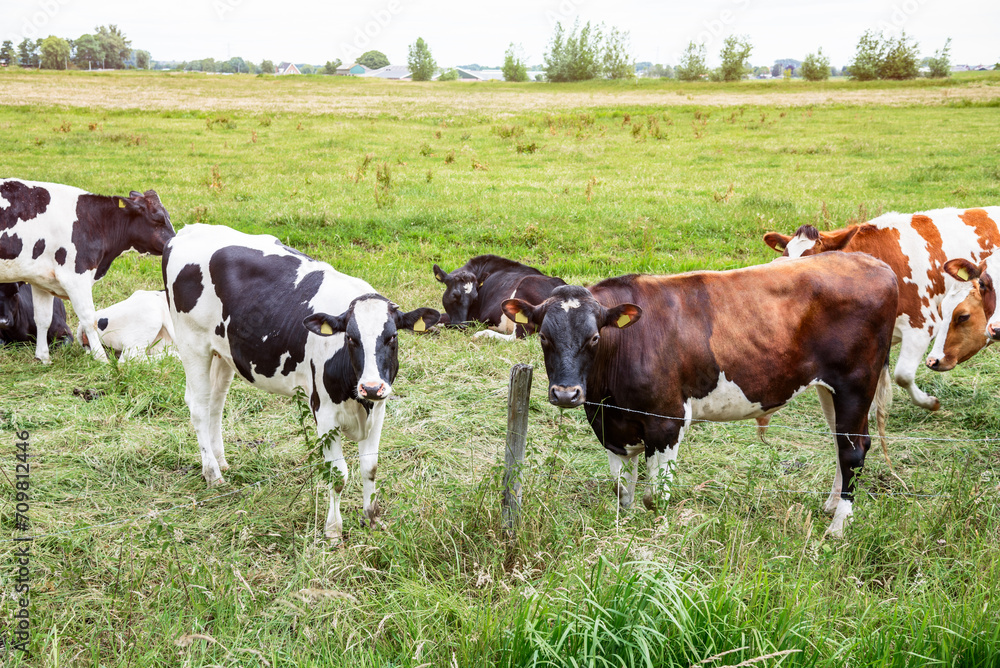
[[373, 391], [993, 332], [5, 323], [939, 364], [566, 397]]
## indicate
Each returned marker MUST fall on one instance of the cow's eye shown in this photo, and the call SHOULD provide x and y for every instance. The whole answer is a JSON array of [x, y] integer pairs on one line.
[[595, 338], [351, 341], [544, 340], [963, 318]]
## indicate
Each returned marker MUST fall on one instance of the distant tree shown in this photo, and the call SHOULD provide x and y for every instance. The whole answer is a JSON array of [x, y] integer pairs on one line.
[[939, 63], [27, 53], [115, 46], [87, 51], [305, 68], [373, 60], [55, 53], [576, 56], [900, 59], [514, 68], [661, 71], [816, 66], [868, 57], [735, 53], [266, 67], [234, 65], [7, 53], [449, 75], [617, 62], [692, 66], [331, 66], [420, 61]]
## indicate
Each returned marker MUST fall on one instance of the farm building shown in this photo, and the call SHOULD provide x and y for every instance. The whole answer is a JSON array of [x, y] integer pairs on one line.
[[287, 68], [352, 70], [389, 72]]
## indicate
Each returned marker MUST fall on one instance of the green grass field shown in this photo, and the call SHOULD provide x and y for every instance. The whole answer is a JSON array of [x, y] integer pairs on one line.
[[141, 565]]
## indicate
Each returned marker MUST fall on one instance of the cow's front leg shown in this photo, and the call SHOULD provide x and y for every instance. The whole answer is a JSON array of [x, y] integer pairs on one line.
[[626, 491], [198, 397], [368, 454], [42, 302], [662, 443], [333, 456], [80, 296], [912, 349], [221, 376]]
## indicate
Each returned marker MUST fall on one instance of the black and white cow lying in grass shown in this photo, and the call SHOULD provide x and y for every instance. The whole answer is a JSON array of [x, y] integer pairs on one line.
[[283, 321], [17, 317], [134, 328], [62, 240]]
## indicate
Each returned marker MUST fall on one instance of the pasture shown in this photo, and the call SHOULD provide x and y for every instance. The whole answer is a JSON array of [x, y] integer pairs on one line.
[[138, 564]]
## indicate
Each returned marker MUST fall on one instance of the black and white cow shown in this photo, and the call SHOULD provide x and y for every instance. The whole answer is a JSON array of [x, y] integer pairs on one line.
[[474, 292], [17, 317], [282, 320], [137, 327], [61, 240]]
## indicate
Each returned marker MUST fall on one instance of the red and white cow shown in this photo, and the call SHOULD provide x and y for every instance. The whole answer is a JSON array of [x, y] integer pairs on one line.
[[968, 313], [62, 240], [648, 355], [250, 304], [916, 247], [136, 327]]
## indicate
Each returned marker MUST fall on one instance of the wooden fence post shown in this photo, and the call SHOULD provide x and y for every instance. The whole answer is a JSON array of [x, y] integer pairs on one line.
[[517, 437]]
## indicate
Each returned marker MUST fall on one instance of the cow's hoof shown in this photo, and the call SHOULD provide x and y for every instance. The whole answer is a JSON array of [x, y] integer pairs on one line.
[[45, 361], [217, 482], [223, 465], [935, 406], [649, 501]]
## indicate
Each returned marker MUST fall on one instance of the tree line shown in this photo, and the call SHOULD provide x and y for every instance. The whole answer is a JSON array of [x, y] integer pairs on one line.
[[106, 48]]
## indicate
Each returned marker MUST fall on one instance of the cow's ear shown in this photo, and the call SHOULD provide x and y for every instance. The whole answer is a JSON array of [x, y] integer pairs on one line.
[[777, 241], [419, 320], [838, 239], [622, 316], [440, 274], [126, 203], [325, 325], [523, 313], [988, 291], [962, 269]]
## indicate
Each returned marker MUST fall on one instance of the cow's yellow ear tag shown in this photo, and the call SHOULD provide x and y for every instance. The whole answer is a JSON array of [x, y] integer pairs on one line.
[[419, 325], [121, 204], [623, 320], [521, 318], [325, 329], [963, 273]]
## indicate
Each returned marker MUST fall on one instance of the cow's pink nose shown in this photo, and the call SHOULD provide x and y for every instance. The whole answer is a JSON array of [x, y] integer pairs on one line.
[[993, 332], [372, 391]]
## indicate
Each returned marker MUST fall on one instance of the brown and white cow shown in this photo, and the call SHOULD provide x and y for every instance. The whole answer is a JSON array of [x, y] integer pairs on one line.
[[916, 246], [62, 240], [968, 313], [648, 355], [474, 291]]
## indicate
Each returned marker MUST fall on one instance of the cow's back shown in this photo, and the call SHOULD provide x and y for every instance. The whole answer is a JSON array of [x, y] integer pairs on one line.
[[771, 329], [247, 295]]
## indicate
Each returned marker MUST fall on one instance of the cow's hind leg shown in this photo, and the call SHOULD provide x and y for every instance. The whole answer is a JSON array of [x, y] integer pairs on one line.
[[198, 397], [830, 413], [42, 303], [853, 443], [80, 296], [221, 376], [626, 491], [912, 349]]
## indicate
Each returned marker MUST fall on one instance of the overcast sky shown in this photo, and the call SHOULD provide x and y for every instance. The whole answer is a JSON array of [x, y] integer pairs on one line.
[[464, 32]]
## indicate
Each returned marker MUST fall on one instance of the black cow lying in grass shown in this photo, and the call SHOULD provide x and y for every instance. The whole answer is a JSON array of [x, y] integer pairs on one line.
[[475, 291], [17, 317]]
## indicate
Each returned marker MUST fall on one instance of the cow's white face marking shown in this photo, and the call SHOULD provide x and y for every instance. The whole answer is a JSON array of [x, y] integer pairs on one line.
[[468, 288], [798, 245], [956, 294], [570, 303], [371, 316]]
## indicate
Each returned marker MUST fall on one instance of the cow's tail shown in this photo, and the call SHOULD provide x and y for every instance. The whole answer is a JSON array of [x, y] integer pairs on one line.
[[883, 401]]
